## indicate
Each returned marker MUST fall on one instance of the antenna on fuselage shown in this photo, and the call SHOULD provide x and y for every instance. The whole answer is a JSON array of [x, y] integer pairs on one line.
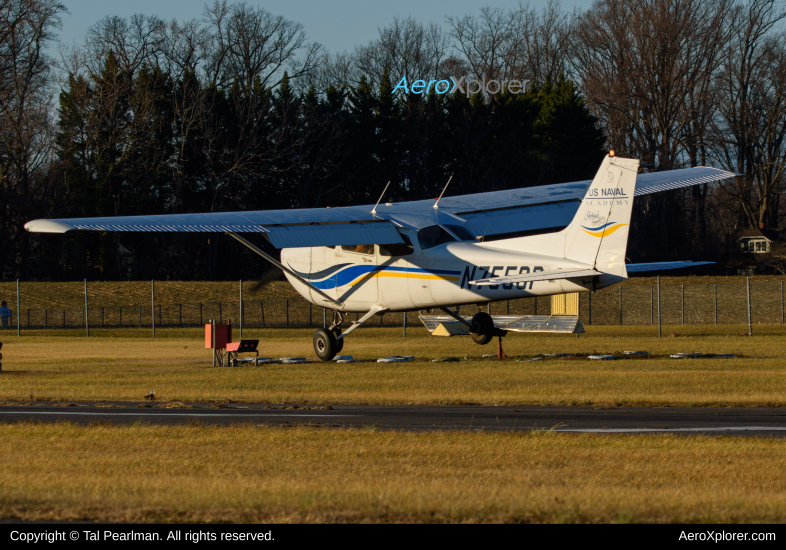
[[443, 192], [374, 210]]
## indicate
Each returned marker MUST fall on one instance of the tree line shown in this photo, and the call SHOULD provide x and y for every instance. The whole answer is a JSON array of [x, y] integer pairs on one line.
[[237, 110]]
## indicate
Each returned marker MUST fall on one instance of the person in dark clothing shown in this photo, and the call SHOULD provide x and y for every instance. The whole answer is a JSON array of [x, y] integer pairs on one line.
[[5, 314]]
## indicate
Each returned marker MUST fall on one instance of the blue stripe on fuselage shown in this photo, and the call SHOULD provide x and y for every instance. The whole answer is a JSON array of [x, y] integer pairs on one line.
[[349, 274]]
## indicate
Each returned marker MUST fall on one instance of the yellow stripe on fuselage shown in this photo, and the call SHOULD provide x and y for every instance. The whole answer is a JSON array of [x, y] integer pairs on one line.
[[364, 278], [607, 231]]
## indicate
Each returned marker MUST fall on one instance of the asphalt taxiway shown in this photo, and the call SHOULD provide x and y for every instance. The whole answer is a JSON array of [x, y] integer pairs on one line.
[[769, 422]]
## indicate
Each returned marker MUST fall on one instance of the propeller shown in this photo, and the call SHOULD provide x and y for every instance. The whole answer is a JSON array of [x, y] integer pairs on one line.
[[268, 277]]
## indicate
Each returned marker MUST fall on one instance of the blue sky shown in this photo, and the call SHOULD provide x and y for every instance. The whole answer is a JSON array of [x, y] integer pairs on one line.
[[336, 24]]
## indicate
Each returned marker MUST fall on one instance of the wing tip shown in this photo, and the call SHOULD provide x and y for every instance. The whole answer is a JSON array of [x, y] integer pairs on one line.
[[47, 226]]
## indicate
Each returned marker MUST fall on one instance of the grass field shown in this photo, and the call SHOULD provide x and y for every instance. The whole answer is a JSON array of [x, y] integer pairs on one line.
[[254, 473], [179, 369], [262, 474]]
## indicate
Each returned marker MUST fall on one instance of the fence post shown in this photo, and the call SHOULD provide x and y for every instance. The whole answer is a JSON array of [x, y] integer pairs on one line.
[[241, 308], [405, 324], [324, 317], [620, 293], [153, 305], [488, 308], [659, 316], [87, 314], [19, 312], [715, 288], [750, 324]]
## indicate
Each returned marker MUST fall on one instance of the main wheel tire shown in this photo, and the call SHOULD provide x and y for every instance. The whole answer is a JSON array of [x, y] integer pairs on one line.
[[340, 341], [482, 330], [325, 344]]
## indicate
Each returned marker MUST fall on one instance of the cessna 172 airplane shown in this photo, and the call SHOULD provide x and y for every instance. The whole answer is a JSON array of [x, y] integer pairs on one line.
[[469, 249]]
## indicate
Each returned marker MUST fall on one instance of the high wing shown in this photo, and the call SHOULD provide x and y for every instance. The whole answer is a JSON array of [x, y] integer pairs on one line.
[[531, 209]]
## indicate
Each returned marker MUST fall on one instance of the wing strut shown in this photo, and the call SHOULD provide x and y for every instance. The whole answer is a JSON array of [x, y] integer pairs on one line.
[[284, 268]]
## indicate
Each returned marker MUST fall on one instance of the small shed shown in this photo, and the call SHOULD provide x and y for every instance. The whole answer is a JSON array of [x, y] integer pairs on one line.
[[755, 241]]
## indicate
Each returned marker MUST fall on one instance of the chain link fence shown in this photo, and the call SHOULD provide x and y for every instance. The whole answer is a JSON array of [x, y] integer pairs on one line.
[[165, 309]]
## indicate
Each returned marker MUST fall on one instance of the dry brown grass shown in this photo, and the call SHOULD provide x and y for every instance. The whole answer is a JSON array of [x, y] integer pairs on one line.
[[263, 474], [179, 370]]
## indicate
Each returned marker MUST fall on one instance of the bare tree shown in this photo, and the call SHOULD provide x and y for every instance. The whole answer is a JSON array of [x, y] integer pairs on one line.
[[26, 26], [750, 126], [249, 44], [407, 48], [646, 69], [520, 43]]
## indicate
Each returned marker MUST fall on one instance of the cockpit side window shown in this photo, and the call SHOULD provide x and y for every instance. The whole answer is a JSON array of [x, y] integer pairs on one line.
[[461, 232], [359, 248], [432, 236], [397, 249]]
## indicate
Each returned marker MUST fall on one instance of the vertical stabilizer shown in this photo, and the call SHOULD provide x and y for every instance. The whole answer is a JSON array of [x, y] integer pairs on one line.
[[598, 234]]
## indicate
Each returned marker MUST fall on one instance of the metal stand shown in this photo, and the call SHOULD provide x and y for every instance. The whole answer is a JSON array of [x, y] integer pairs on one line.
[[500, 353]]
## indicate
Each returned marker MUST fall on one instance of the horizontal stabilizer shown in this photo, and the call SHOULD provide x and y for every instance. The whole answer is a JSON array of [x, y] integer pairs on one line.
[[443, 325], [662, 266], [549, 275]]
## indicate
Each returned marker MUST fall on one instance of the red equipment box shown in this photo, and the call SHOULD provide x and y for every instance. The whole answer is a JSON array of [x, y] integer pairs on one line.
[[223, 336]]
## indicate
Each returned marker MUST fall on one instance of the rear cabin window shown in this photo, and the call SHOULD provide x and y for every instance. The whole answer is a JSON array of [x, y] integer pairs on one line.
[[432, 236], [397, 249], [359, 248]]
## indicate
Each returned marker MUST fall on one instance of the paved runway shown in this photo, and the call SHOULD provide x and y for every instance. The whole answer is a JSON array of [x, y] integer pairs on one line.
[[726, 421]]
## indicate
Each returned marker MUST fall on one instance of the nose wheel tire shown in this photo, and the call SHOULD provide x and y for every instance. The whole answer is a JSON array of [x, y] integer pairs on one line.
[[482, 330], [325, 344]]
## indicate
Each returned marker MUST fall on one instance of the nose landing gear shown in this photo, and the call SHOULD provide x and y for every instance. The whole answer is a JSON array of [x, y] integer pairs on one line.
[[329, 342]]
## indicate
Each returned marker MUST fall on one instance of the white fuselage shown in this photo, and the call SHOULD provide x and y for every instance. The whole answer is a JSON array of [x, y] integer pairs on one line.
[[437, 277]]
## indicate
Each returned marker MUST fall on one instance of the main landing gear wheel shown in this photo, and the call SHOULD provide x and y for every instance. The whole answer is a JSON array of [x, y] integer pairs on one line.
[[325, 344], [340, 341], [482, 330]]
